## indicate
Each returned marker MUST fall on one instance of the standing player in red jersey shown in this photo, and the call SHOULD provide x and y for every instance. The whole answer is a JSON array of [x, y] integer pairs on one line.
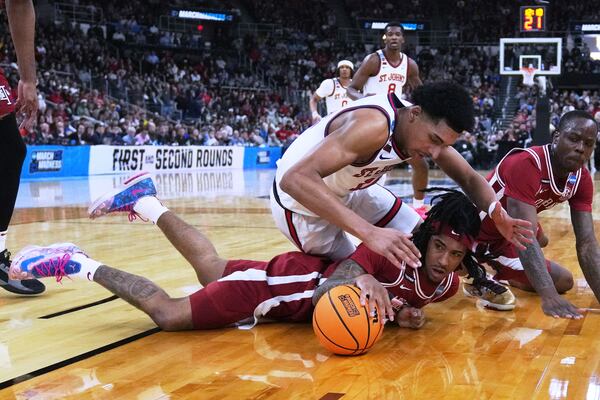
[[388, 70], [21, 19], [244, 292], [529, 181]]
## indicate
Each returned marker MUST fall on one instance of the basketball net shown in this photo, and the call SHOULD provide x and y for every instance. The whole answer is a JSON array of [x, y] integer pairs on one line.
[[528, 75]]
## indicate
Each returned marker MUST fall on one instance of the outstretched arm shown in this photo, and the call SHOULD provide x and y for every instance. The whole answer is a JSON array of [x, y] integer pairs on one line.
[[588, 252], [517, 231], [349, 272], [354, 136], [21, 18], [534, 265]]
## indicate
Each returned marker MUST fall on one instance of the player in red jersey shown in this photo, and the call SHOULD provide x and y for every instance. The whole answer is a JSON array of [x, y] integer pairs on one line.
[[388, 70], [21, 19], [244, 292], [529, 181]]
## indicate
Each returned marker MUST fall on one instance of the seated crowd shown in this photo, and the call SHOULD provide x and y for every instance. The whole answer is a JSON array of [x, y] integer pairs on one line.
[[142, 87]]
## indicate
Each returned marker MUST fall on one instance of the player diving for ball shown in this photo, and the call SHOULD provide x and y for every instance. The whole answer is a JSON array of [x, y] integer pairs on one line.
[[244, 292]]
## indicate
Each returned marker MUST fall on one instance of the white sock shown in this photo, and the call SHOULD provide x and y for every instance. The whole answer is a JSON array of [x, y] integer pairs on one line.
[[88, 267], [3, 241], [418, 202], [150, 207]]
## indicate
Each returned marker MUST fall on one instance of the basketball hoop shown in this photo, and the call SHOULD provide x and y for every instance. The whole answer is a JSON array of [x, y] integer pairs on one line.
[[528, 75]]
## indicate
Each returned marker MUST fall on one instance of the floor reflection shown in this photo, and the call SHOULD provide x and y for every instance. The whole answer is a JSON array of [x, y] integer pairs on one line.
[[170, 185]]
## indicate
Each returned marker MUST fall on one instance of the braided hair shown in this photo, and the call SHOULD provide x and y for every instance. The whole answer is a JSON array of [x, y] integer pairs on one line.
[[454, 209]]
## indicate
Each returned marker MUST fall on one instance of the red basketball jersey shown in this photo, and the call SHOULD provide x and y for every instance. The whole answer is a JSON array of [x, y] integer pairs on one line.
[[526, 175], [282, 289], [410, 286], [7, 98]]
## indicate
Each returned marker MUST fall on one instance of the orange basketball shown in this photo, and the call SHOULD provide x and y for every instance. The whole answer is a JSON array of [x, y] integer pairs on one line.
[[342, 325]]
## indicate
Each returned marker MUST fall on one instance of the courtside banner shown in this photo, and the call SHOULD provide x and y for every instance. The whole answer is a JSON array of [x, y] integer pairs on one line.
[[115, 159], [55, 162]]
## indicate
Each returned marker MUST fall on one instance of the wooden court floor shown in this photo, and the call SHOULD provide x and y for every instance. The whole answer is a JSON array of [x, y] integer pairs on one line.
[[78, 341]]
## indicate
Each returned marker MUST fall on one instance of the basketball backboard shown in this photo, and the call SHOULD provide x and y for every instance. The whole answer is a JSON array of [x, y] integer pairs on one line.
[[543, 54]]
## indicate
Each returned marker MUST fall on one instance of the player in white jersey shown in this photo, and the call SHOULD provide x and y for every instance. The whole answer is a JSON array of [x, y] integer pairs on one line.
[[388, 70], [326, 182], [333, 91]]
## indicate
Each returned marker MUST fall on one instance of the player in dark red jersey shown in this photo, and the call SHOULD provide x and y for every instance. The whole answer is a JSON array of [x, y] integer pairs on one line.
[[243, 292], [529, 181], [21, 19]]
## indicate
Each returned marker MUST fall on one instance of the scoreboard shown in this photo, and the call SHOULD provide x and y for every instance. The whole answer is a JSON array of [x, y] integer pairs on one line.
[[533, 19]]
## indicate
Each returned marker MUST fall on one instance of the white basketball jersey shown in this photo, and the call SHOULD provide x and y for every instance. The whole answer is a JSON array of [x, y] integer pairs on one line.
[[334, 93], [351, 177], [390, 79], [338, 99]]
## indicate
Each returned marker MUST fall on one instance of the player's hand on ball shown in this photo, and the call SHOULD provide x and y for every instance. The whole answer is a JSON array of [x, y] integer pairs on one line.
[[410, 317], [373, 293], [394, 245]]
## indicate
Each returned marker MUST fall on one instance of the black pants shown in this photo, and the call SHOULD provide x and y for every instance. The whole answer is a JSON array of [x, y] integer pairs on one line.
[[12, 154]]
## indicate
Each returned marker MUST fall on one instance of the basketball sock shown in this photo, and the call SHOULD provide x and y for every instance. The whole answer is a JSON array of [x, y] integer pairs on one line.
[[3, 241], [150, 207], [88, 267], [416, 203]]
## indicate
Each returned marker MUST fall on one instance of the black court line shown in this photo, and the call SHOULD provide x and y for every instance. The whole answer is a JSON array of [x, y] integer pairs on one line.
[[332, 396], [72, 360], [82, 307]]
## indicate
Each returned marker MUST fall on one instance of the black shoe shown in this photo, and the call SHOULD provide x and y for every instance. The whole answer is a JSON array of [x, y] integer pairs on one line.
[[27, 286]]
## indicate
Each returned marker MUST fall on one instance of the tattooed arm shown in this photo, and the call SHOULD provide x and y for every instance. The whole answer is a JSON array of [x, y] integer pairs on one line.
[[349, 272], [588, 252], [534, 265], [345, 274]]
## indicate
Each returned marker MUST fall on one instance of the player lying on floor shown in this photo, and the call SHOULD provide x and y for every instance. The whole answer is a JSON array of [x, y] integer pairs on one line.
[[529, 181], [238, 292]]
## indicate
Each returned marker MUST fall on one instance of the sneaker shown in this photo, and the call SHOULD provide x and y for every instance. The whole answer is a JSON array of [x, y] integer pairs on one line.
[[27, 286], [422, 211], [43, 262], [124, 198], [489, 293]]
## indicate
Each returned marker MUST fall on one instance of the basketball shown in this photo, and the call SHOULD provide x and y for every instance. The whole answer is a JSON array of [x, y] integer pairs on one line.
[[342, 325]]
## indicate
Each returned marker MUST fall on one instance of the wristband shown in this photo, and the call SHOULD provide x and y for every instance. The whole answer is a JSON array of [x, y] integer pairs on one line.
[[493, 207]]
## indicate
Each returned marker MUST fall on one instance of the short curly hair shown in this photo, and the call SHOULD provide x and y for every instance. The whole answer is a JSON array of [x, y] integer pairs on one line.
[[448, 101]]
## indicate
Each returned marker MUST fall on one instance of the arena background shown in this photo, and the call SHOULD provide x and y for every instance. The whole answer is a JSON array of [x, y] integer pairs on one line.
[[207, 95]]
